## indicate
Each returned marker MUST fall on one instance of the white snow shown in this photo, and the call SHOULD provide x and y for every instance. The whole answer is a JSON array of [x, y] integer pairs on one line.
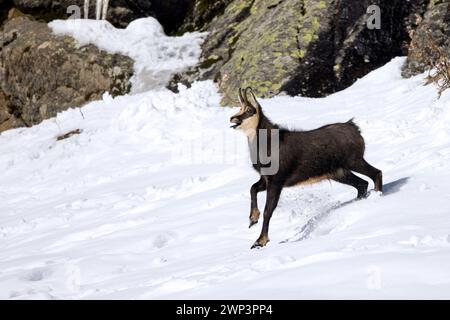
[[156, 55], [151, 201]]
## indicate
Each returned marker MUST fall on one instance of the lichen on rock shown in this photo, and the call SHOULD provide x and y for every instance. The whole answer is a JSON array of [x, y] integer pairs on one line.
[[307, 47], [434, 29]]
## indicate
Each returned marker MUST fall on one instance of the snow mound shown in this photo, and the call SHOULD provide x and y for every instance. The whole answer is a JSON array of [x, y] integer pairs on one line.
[[156, 55]]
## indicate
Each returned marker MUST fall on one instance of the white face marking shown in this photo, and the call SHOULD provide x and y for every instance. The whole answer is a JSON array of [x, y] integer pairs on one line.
[[248, 125]]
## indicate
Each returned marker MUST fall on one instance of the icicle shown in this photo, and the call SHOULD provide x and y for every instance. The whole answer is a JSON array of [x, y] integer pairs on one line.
[[86, 9], [105, 9], [98, 9]]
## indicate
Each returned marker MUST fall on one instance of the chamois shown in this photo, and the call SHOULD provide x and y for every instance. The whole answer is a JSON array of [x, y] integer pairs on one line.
[[305, 157]]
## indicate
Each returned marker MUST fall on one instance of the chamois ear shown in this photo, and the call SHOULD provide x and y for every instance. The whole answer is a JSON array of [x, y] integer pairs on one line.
[[255, 103]]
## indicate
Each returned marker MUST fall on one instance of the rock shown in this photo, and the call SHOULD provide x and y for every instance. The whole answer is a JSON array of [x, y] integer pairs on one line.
[[306, 47], [120, 14], [434, 29], [5, 5], [7, 120], [201, 13], [170, 13], [4, 113], [11, 123], [43, 74]]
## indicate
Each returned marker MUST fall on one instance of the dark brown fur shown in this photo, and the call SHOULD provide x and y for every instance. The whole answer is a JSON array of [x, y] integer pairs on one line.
[[329, 152]]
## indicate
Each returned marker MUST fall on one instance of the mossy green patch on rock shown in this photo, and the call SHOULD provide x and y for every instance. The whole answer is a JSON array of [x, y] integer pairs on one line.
[[321, 5], [208, 62], [266, 51], [308, 47], [298, 54]]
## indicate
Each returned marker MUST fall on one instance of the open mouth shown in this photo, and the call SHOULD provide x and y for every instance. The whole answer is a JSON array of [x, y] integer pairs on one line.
[[234, 126]]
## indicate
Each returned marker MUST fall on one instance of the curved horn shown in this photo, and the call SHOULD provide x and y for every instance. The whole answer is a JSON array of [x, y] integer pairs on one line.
[[241, 99], [246, 94]]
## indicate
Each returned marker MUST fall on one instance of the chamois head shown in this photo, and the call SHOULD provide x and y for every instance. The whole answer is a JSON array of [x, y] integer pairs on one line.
[[247, 118]]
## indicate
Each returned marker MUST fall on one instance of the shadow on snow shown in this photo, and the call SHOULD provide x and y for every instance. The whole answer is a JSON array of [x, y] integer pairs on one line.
[[311, 225]]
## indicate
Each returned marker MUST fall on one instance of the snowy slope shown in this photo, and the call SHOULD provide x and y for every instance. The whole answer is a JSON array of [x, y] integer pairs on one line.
[[156, 55], [151, 201]]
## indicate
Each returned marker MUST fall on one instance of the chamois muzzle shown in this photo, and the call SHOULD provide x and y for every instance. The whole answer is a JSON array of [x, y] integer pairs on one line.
[[237, 122]]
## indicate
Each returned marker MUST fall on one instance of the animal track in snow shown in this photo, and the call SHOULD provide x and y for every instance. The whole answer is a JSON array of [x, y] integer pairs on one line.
[[163, 239], [37, 274], [427, 241]]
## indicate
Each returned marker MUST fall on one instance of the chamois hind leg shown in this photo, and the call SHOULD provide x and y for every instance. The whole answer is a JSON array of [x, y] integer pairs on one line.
[[254, 212], [373, 173], [273, 195], [353, 180]]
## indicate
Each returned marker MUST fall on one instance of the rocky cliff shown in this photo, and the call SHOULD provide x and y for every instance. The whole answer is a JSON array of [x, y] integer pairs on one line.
[[42, 74], [306, 47], [433, 29]]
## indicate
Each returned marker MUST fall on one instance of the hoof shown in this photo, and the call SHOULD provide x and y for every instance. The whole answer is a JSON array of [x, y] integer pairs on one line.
[[363, 196], [256, 246], [252, 223], [260, 243]]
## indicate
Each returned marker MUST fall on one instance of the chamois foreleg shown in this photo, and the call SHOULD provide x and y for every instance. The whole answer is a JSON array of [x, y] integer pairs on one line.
[[273, 195], [254, 211]]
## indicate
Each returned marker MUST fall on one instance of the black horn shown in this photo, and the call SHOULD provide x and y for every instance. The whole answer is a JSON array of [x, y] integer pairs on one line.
[[241, 99], [246, 94]]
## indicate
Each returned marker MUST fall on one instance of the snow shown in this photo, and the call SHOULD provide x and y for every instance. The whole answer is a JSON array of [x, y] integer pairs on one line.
[[151, 200], [156, 55]]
